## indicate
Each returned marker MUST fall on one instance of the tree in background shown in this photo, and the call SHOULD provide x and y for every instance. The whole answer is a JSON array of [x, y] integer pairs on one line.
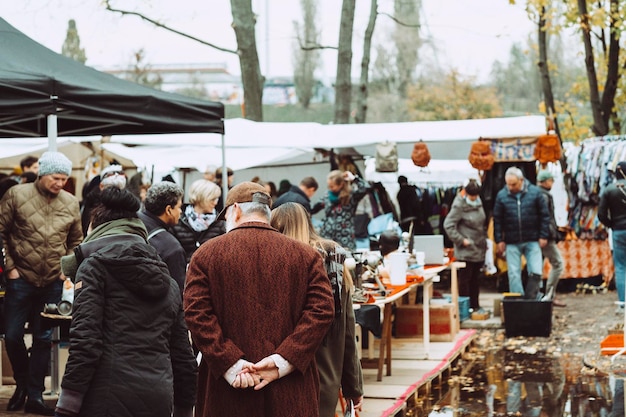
[[243, 24], [362, 93], [406, 37], [140, 72], [306, 59], [343, 82], [71, 47], [454, 98], [600, 24]]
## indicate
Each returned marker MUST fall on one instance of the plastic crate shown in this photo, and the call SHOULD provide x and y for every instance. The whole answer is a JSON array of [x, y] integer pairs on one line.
[[612, 344], [527, 317], [464, 306]]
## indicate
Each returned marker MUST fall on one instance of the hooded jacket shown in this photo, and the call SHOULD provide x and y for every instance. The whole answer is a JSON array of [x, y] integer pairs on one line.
[[129, 350], [467, 221]]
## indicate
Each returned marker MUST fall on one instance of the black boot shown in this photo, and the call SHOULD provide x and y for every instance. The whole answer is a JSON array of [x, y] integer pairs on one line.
[[17, 400], [37, 406], [532, 287]]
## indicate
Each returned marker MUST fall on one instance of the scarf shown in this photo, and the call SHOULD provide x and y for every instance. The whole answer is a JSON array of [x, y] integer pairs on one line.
[[199, 222], [333, 197], [474, 203]]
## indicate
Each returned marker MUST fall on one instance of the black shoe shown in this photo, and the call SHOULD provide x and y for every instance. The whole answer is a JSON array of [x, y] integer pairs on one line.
[[17, 400], [38, 407]]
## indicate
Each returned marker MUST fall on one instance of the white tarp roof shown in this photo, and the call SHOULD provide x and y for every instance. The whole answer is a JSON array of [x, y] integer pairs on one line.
[[256, 144]]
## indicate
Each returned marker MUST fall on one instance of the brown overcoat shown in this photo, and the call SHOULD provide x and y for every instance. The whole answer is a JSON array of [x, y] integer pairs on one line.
[[251, 293]]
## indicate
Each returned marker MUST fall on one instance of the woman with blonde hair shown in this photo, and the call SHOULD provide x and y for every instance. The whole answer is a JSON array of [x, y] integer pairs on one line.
[[337, 361], [198, 222], [340, 207]]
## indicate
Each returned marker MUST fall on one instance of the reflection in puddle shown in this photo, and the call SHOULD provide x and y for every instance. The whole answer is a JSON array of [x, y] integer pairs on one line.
[[521, 379]]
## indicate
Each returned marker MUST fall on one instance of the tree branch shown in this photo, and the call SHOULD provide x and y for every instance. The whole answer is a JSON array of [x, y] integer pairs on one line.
[[400, 22], [312, 47], [163, 26]]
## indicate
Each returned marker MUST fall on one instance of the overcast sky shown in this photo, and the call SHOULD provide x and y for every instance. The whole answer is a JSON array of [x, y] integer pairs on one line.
[[469, 34]]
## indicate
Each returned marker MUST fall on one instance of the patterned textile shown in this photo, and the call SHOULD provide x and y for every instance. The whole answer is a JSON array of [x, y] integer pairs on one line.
[[585, 258]]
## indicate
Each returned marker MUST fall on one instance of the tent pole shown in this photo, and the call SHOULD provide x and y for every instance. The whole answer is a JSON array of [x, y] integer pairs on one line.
[[224, 172], [52, 132]]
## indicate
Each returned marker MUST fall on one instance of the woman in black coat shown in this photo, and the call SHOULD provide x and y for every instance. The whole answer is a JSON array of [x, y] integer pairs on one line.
[[129, 354], [197, 222]]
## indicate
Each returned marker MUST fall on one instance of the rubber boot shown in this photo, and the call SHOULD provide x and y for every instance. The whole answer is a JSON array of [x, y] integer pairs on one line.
[[531, 292]]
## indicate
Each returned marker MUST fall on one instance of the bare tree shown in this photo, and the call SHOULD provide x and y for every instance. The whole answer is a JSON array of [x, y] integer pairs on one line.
[[307, 60], [407, 39], [602, 107], [544, 70], [243, 24], [141, 73], [343, 83], [361, 107], [71, 47]]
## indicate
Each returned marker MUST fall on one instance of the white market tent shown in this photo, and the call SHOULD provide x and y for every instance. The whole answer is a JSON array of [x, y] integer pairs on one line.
[[275, 151]]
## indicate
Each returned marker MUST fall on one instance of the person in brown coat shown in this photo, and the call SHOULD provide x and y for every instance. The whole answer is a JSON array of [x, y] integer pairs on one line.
[[258, 305]]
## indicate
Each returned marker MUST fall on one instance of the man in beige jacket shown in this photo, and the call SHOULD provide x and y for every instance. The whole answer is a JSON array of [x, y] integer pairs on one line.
[[39, 223]]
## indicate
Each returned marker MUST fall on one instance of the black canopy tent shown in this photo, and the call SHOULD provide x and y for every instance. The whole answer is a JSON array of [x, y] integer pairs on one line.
[[36, 83]]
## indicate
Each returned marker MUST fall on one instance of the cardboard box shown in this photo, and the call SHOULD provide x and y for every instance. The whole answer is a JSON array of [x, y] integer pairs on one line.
[[409, 322]]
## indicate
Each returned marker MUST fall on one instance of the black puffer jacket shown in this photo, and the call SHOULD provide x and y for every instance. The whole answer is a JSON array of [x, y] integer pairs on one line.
[[523, 220], [190, 239], [612, 208], [129, 350]]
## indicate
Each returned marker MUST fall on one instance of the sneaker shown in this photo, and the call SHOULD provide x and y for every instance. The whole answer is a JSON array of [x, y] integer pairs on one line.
[[558, 303]]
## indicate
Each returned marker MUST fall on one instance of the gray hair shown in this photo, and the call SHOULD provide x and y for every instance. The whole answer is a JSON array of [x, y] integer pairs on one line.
[[161, 195], [514, 172], [256, 208]]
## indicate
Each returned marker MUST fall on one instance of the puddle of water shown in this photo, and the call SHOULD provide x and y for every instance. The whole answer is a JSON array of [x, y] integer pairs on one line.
[[524, 381]]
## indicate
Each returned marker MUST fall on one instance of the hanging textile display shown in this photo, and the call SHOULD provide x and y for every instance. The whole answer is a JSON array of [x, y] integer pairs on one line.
[[480, 156], [590, 168]]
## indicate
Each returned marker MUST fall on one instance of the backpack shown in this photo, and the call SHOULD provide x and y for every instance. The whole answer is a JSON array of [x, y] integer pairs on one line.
[[420, 154], [386, 157], [548, 149], [480, 156]]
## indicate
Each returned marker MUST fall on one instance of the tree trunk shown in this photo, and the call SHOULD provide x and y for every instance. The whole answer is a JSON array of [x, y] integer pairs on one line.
[[612, 76], [544, 71], [361, 108], [243, 24], [599, 127], [343, 83]]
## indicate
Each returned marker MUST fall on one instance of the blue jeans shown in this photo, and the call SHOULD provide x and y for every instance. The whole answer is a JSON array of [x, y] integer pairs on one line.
[[619, 260], [22, 303], [534, 263]]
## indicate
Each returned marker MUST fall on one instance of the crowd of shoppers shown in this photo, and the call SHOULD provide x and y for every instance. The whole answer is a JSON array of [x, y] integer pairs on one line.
[[263, 295]]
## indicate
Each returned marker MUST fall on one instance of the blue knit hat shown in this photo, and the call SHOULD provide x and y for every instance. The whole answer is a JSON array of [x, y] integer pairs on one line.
[[54, 163], [544, 175]]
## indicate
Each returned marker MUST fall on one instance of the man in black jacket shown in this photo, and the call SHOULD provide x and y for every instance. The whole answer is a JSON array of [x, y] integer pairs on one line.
[[301, 194], [612, 213], [162, 209], [521, 227]]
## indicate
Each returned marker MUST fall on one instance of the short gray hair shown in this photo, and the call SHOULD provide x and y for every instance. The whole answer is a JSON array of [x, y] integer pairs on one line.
[[256, 208], [161, 195], [514, 172]]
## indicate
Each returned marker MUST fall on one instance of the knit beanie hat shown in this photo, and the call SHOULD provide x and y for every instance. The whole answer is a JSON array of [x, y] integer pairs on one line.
[[54, 163], [544, 175]]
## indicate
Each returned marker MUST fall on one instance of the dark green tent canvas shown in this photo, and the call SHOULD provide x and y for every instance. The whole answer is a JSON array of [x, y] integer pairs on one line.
[[36, 82]]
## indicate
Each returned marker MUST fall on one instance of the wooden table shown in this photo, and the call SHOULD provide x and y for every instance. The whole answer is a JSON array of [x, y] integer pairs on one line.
[[397, 292]]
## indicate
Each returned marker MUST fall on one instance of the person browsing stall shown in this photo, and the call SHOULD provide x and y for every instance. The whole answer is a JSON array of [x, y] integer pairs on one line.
[[337, 359]]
